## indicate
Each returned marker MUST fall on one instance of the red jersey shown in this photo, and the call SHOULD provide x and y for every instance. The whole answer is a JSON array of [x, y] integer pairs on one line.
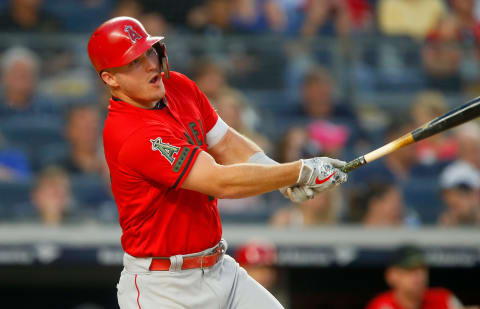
[[434, 298], [150, 153]]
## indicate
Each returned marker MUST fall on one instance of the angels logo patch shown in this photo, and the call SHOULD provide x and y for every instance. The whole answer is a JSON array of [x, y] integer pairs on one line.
[[134, 36], [167, 150]]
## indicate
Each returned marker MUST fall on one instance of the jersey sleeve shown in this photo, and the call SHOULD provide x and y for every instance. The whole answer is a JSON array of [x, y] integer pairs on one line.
[[158, 156]]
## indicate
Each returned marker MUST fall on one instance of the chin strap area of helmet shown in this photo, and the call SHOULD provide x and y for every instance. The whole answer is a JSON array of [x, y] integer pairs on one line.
[[162, 55]]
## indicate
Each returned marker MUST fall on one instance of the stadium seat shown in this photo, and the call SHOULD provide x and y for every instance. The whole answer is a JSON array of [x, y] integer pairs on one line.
[[12, 194], [89, 189]]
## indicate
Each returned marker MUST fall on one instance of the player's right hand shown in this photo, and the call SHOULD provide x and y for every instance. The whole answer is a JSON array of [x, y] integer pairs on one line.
[[297, 194], [321, 173]]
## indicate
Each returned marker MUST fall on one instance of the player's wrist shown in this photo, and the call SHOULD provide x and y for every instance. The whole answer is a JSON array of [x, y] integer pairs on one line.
[[260, 157], [304, 173]]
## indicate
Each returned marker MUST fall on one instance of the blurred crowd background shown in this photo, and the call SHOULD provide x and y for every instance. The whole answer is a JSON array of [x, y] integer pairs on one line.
[[301, 78]]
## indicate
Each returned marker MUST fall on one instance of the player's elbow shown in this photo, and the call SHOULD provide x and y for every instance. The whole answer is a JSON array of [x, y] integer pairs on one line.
[[229, 192]]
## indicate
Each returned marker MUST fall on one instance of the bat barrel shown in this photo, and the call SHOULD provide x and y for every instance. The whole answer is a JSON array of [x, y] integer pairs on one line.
[[455, 117], [459, 115]]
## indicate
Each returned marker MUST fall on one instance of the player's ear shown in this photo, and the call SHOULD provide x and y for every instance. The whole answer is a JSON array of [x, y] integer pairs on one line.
[[109, 79]]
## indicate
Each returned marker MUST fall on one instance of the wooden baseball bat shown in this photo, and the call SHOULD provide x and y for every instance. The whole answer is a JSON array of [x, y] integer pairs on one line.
[[453, 118]]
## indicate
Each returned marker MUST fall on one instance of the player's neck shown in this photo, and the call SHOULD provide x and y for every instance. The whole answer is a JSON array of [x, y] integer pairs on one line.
[[405, 301], [127, 99]]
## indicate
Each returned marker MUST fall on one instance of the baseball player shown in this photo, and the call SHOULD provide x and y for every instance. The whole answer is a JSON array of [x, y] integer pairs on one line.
[[170, 156]]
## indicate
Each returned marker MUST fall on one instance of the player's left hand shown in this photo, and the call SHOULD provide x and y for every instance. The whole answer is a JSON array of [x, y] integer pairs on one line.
[[299, 194]]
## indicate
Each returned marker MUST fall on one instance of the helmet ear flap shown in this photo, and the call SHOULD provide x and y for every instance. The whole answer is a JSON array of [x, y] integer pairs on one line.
[[162, 55]]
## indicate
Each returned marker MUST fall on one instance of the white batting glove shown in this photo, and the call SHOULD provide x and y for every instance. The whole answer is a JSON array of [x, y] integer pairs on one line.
[[321, 173], [297, 194]]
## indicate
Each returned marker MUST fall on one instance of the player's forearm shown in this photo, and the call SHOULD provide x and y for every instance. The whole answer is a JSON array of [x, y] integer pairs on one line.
[[243, 180], [233, 148]]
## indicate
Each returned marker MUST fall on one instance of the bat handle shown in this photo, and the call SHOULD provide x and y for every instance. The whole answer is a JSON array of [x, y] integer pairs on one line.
[[350, 166]]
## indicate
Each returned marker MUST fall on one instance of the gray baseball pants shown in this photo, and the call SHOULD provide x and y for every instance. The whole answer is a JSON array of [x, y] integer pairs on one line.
[[224, 285]]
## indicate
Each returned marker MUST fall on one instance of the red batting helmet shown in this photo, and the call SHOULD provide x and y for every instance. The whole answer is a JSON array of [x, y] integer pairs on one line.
[[256, 253], [121, 40]]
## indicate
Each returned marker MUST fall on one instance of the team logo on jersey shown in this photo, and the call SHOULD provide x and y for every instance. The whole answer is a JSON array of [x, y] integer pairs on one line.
[[134, 36], [167, 150]]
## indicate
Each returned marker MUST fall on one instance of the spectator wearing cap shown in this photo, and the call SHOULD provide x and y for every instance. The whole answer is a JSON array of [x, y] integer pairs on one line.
[[258, 258], [460, 184], [407, 275]]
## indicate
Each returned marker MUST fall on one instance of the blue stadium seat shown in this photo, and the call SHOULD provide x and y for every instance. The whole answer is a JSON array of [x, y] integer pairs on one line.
[[50, 154], [89, 190], [12, 194]]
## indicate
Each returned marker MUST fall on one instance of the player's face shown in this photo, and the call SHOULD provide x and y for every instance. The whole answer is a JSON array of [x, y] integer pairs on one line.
[[411, 282], [140, 81]]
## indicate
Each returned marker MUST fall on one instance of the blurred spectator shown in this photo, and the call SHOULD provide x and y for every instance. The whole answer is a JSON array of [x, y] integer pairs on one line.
[[131, 8], [327, 17], [174, 14], [413, 18], [51, 202], [407, 275], [234, 109], [155, 24], [323, 209], [468, 36], [257, 16], [213, 17], [258, 258], [361, 15], [468, 138], [83, 135], [28, 16], [464, 13], [442, 56], [51, 196], [317, 100], [379, 205], [398, 165], [328, 137], [460, 184], [426, 106], [14, 164], [295, 144], [209, 77], [20, 68]]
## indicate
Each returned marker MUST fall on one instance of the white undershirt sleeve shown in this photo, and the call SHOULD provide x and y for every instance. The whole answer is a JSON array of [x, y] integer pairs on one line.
[[216, 133]]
